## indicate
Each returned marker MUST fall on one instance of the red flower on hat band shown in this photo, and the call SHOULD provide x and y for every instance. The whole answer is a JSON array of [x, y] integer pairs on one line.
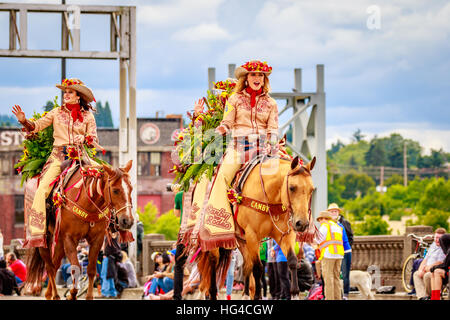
[[257, 66], [70, 82]]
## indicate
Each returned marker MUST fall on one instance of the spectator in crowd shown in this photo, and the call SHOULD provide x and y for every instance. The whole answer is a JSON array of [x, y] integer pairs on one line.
[[131, 273], [191, 282], [17, 267], [422, 277], [140, 237], [263, 258], [162, 265], [239, 272], [284, 287], [335, 211], [331, 255], [230, 274], [439, 273], [8, 283], [272, 270], [180, 254], [111, 255], [304, 270]]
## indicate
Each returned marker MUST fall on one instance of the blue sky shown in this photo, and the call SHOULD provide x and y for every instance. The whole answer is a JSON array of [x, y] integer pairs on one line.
[[391, 79]]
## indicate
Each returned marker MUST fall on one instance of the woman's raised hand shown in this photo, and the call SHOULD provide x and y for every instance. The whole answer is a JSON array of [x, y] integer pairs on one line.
[[198, 107], [20, 115]]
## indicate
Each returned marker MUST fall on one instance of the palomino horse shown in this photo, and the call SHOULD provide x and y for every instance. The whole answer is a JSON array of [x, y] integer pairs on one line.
[[291, 185], [109, 205]]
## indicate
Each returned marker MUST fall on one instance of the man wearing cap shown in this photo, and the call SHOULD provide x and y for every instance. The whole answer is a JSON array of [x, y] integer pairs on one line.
[[331, 255], [347, 237]]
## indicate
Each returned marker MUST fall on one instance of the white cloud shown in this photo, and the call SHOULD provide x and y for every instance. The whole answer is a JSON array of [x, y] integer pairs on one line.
[[202, 33]]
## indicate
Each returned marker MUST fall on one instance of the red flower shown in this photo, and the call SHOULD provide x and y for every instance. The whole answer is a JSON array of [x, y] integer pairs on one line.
[[72, 153]]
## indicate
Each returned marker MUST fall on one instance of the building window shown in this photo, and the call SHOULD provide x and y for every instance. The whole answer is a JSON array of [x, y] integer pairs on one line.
[[5, 165], [149, 164], [19, 212]]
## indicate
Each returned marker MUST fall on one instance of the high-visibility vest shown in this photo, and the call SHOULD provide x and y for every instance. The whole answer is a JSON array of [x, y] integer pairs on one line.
[[333, 240]]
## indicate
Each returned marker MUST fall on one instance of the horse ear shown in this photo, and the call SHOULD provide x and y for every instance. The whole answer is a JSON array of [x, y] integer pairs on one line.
[[108, 170], [294, 163], [311, 164], [128, 166]]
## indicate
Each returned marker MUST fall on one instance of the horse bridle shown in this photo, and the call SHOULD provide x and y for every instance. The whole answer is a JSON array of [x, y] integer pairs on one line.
[[112, 209], [289, 204]]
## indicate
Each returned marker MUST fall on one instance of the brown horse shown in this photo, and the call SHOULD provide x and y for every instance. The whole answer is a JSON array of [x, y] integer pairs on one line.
[[96, 210], [291, 185]]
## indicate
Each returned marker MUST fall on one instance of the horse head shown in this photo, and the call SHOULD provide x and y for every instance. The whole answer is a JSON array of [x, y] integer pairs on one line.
[[117, 192], [296, 193]]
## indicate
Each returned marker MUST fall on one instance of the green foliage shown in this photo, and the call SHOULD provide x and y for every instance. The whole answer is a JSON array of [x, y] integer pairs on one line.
[[393, 180], [103, 117], [436, 196], [355, 183], [351, 154], [435, 218], [195, 140], [167, 223], [437, 159], [37, 148], [372, 225]]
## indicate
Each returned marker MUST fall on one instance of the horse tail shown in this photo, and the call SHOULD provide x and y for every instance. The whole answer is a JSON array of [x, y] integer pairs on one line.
[[204, 268], [223, 265], [35, 266]]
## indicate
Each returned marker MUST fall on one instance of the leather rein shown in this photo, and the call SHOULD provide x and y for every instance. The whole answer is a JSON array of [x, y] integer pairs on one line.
[[112, 210]]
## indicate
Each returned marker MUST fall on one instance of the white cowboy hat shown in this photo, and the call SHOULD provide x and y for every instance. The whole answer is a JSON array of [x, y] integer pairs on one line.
[[324, 215], [253, 66], [334, 206], [79, 86]]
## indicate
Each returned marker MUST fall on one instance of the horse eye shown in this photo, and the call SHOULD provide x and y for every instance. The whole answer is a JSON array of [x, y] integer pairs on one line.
[[116, 191], [292, 188]]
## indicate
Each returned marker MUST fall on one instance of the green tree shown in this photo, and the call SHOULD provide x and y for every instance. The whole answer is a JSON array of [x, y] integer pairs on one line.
[[376, 155], [108, 116], [355, 183], [393, 180], [49, 106], [435, 196], [436, 160], [435, 218], [357, 135], [372, 225], [167, 224]]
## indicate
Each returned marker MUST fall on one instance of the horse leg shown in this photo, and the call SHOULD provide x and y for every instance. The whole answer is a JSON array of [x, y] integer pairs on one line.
[[287, 246], [58, 255], [51, 293], [95, 246], [257, 274], [70, 247], [213, 284]]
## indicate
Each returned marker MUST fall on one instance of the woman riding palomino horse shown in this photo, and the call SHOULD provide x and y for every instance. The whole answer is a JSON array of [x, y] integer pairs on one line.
[[80, 214], [251, 116]]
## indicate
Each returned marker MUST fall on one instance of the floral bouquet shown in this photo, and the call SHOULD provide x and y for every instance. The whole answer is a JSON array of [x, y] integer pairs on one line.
[[196, 147]]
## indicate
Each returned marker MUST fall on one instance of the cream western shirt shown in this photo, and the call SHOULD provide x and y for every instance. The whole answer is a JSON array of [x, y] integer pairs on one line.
[[64, 128], [244, 120]]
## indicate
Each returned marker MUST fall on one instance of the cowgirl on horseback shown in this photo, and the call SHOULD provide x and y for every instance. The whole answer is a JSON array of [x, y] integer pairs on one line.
[[73, 125], [251, 116]]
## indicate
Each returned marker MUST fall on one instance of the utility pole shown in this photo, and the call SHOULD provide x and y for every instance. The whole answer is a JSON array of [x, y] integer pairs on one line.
[[65, 44], [405, 166]]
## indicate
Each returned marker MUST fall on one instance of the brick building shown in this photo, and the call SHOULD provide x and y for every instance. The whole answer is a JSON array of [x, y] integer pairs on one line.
[[154, 140]]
